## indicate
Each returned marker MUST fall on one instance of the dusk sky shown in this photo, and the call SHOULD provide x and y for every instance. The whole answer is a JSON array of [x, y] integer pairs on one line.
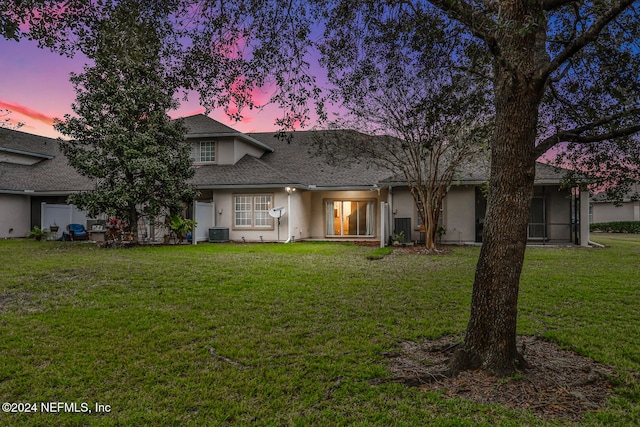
[[35, 87]]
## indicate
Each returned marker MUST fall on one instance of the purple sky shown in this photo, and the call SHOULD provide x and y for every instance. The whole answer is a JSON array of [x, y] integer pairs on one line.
[[34, 84]]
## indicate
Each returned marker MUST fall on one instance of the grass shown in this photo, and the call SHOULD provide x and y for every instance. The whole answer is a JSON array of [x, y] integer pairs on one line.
[[264, 334]]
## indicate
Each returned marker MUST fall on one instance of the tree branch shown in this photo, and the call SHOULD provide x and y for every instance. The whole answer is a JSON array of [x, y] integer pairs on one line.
[[576, 135], [550, 5], [476, 20], [587, 37]]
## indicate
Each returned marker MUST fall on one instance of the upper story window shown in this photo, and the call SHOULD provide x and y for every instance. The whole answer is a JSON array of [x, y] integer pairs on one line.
[[207, 151]]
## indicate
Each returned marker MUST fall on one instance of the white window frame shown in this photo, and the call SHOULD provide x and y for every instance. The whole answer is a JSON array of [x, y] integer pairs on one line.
[[212, 151], [198, 152], [251, 211]]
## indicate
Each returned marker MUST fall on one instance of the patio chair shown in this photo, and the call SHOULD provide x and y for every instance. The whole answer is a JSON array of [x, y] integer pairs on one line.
[[77, 232]]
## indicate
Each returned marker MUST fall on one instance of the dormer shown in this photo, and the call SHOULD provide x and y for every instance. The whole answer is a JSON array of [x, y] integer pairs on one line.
[[213, 143]]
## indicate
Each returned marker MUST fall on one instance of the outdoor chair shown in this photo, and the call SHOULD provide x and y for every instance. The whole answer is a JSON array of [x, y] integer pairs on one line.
[[77, 232]]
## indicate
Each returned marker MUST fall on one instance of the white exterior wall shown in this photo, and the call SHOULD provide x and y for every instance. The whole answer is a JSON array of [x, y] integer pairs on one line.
[[15, 215], [584, 218], [404, 207]]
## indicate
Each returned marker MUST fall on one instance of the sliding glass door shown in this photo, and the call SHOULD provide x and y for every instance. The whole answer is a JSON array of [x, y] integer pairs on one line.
[[350, 218]]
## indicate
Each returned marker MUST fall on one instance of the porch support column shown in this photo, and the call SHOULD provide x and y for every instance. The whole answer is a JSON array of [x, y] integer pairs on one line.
[[584, 218], [383, 223]]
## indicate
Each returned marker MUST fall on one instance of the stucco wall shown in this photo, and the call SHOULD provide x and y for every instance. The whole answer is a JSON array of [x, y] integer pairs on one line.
[[15, 215], [300, 214], [225, 215], [458, 213], [242, 148], [608, 212]]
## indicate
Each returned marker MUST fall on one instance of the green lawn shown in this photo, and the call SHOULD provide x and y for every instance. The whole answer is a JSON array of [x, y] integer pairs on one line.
[[265, 334]]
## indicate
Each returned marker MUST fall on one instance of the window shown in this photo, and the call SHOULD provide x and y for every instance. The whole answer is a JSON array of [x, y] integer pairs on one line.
[[350, 218], [207, 151], [252, 211]]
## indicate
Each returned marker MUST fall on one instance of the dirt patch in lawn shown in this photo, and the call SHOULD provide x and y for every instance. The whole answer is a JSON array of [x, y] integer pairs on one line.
[[559, 384], [420, 249]]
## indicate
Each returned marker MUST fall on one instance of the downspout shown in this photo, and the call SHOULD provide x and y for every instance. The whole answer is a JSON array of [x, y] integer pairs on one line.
[[289, 191]]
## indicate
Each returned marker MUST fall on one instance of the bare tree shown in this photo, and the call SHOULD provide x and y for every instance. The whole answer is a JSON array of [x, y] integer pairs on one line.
[[430, 118]]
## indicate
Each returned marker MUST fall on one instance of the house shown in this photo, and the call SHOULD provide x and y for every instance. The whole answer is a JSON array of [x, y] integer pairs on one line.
[[603, 209], [257, 187]]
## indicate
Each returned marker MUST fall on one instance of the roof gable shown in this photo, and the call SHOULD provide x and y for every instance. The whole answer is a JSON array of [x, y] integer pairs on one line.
[[201, 126]]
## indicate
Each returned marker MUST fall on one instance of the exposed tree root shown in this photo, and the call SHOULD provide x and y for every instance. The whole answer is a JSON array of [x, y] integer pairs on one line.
[[557, 383]]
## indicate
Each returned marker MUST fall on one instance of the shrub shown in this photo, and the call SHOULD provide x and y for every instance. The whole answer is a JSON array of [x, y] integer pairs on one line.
[[617, 227]]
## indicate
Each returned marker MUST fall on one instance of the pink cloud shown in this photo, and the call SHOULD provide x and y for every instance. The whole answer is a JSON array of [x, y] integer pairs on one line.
[[27, 112]]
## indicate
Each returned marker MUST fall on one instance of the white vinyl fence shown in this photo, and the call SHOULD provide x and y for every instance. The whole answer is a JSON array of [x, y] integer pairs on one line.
[[60, 215]]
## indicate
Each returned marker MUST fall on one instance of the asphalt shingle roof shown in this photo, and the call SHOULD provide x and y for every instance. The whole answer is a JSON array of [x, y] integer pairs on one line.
[[26, 142], [201, 124], [284, 163], [478, 171], [48, 175], [297, 161]]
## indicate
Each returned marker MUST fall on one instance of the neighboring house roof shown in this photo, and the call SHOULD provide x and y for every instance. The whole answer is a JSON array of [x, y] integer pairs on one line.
[[26, 143], [51, 175], [631, 196], [26, 153], [201, 126]]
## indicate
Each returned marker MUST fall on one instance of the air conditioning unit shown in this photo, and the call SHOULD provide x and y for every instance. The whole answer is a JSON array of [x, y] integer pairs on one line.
[[218, 234]]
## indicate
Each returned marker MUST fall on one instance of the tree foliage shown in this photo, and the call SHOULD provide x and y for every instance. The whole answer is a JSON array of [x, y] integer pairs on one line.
[[431, 119], [6, 122], [122, 136]]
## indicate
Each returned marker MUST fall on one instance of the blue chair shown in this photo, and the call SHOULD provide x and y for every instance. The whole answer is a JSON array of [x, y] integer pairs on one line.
[[77, 232]]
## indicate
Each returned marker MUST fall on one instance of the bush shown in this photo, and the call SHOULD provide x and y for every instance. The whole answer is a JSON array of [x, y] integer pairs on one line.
[[617, 227]]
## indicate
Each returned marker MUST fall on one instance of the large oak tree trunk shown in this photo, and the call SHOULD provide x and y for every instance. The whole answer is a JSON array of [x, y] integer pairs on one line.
[[490, 340]]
